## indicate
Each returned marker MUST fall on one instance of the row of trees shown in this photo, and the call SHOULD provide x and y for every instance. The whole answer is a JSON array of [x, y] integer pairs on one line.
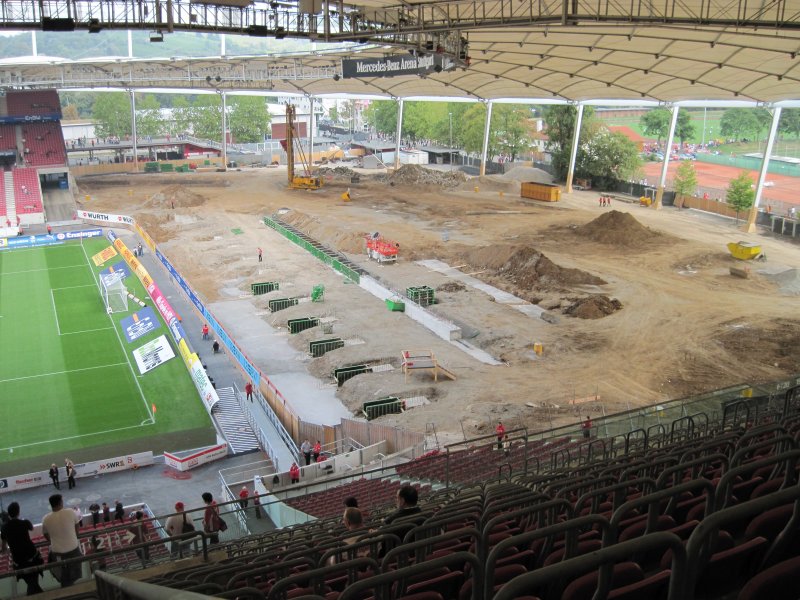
[[248, 117]]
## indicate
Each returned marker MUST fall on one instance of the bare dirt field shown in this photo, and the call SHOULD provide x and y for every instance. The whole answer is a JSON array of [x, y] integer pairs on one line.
[[640, 303]]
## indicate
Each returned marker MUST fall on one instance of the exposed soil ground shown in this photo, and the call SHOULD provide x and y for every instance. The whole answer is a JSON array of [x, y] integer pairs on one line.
[[646, 309]]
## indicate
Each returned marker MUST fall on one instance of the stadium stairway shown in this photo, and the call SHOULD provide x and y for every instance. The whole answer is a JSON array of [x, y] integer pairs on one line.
[[8, 187], [233, 423]]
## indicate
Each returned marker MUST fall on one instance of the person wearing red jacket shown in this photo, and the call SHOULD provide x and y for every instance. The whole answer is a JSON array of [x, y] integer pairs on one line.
[[294, 473], [500, 430], [248, 389], [244, 496], [317, 451]]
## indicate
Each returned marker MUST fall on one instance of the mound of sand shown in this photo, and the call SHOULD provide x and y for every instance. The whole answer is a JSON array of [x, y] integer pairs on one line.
[[788, 281], [618, 229], [418, 175], [527, 268], [175, 196], [527, 174], [491, 183], [339, 239], [596, 306]]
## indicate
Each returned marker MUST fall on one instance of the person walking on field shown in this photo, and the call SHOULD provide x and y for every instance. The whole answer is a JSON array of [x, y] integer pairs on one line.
[[54, 476], [248, 389], [260, 255]]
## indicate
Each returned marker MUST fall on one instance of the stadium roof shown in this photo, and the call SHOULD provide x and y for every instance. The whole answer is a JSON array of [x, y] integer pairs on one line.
[[694, 51]]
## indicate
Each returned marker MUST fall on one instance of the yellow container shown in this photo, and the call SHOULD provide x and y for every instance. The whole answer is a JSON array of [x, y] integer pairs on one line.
[[744, 250], [477, 189], [538, 348]]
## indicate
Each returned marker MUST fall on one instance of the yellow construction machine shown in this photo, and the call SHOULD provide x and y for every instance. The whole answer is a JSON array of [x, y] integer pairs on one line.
[[308, 180]]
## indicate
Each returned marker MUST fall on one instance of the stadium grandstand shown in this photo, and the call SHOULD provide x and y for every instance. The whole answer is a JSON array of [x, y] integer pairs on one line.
[[32, 153], [696, 498]]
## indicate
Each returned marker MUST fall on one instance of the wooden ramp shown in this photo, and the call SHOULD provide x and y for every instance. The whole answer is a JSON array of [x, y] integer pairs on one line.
[[424, 360]]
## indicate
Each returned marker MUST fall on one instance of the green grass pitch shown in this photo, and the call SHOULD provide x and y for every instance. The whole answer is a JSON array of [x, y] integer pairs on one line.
[[68, 381]]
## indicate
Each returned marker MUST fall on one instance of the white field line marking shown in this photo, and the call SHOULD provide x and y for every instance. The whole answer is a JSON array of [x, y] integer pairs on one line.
[[72, 287], [38, 270], [74, 437], [87, 331], [55, 312], [61, 372], [119, 339]]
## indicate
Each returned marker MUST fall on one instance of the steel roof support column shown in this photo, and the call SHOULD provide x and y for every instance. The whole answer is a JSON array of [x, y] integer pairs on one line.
[[133, 131], [573, 155], [397, 134], [224, 130], [750, 226], [667, 151], [486, 129], [310, 133]]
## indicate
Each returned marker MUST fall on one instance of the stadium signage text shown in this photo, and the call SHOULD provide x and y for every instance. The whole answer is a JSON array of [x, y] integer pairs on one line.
[[104, 217], [391, 66], [196, 459], [153, 354], [89, 469], [32, 241]]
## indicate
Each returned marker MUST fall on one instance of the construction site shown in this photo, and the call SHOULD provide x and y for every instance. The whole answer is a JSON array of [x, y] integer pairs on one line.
[[499, 308]]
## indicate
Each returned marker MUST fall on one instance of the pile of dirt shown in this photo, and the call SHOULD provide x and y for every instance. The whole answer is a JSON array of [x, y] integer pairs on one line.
[[595, 306], [175, 196], [618, 229], [788, 281], [330, 235], [491, 183], [527, 268], [775, 344], [451, 286], [527, 174], [339, 173], [417, 175]]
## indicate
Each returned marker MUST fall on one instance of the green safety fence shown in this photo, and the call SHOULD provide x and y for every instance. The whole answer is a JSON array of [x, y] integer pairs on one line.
[[337, 265], [321, 347], [342, 374], [281, 303], [752, 163], [298, 325], [264, 287], [383, 406]]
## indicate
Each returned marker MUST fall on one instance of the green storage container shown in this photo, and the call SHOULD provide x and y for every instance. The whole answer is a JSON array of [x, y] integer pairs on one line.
[[395, 305]]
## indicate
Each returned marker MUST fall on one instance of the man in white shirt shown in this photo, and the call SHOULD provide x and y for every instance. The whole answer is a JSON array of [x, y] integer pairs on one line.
[[60, 527]]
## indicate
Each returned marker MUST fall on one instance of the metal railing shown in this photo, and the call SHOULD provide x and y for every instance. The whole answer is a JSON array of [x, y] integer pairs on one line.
[[261, 435]]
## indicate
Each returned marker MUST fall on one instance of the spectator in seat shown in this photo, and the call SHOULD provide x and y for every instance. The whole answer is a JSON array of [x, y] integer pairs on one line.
[[407, 498]]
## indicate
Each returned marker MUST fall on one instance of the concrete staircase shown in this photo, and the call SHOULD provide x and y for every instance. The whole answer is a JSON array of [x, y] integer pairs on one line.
[[233, 423], [11, 201]]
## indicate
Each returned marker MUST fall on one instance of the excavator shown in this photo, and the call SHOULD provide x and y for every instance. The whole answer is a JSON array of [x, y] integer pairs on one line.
[[306, 181]]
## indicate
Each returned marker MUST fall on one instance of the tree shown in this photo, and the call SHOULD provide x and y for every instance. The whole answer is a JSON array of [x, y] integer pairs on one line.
[[206, 116], [181, 114], [655, 123], [112, 114], [685, 181], [560, 121], [740, 194], [149, 120], [790, 122], [70, 112], [738, 123], [508, 134], [333, 113], [381, 115], [606, 158], [684, 128], [248, 118]]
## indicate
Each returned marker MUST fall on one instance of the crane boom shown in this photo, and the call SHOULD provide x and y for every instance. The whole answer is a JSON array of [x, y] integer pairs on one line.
[[307, 181]]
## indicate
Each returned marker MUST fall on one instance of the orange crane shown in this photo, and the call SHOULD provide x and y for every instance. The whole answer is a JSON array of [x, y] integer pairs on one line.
[[307, 181]]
